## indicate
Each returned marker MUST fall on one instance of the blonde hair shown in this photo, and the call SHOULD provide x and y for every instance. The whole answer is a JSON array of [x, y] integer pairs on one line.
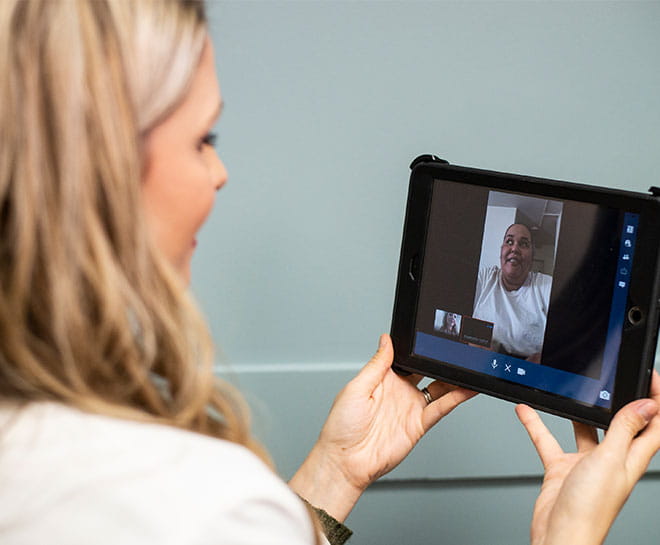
[[90, 312]]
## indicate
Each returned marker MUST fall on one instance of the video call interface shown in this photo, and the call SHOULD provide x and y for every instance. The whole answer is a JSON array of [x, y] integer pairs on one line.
[[528, 289]]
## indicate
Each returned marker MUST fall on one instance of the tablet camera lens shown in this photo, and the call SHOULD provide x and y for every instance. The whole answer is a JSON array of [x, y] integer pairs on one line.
[[635, 315]]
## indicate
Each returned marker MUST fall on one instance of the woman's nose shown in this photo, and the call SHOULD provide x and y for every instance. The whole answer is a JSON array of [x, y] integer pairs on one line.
[[218, 171]]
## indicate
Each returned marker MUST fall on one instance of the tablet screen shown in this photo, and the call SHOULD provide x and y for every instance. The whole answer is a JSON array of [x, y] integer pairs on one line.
[[527, 289]]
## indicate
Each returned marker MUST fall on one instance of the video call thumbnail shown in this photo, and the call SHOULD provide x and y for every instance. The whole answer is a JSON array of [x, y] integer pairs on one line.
[[464, 329]]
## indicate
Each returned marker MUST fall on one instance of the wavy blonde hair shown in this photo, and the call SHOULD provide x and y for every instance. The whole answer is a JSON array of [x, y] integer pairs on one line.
[[90, 313]]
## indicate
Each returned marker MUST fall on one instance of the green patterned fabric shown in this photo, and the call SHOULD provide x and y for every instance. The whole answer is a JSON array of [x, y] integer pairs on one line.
[[335, 531]]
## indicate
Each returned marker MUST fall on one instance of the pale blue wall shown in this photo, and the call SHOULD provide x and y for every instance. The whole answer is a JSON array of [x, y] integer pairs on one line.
[[326, 104]]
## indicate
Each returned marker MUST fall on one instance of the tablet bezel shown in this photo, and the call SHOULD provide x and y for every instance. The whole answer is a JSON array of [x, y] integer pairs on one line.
[[637, 350]]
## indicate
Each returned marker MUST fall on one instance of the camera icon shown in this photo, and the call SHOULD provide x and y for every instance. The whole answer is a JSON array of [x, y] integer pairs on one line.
[[604, 394]]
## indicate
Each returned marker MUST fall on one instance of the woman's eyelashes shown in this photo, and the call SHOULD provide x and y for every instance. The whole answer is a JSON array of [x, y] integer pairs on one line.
[[209, 139]]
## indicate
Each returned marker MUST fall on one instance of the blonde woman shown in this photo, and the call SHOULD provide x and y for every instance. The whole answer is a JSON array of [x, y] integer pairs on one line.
[[112, 427]]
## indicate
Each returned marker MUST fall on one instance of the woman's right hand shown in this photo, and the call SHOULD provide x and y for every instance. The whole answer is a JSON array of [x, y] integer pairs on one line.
[[583, 492], [374, 423]]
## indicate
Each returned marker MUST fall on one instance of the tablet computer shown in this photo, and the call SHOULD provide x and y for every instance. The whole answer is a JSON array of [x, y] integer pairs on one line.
[[531, 290]]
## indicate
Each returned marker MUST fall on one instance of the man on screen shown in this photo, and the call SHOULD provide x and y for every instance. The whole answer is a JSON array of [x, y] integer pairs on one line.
[[514, 298]]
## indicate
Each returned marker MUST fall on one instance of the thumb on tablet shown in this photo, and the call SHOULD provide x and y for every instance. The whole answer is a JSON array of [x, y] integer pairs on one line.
[[376, 368]]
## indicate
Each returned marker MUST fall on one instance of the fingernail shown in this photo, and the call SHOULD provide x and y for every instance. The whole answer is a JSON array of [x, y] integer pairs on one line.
[[382, 342], [646, 408]]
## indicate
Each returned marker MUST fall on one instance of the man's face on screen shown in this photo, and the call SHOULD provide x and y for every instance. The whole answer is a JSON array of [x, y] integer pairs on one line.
[[516, 256]]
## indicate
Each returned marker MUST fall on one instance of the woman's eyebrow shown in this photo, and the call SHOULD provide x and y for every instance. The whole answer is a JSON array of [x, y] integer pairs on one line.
[[216, 112]]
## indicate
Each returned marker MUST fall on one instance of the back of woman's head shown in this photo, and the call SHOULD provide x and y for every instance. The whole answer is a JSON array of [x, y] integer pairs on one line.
[[90, 312]]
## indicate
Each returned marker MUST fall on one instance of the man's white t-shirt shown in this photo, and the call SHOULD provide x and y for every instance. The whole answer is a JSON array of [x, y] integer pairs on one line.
[[519, 316], [78, 479]]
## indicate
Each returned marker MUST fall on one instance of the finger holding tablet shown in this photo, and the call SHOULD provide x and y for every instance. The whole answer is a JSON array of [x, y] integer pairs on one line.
[[583, 491]]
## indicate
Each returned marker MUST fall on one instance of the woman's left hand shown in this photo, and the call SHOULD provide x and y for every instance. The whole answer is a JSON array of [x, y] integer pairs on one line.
[[374, 423], [583, 491]]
